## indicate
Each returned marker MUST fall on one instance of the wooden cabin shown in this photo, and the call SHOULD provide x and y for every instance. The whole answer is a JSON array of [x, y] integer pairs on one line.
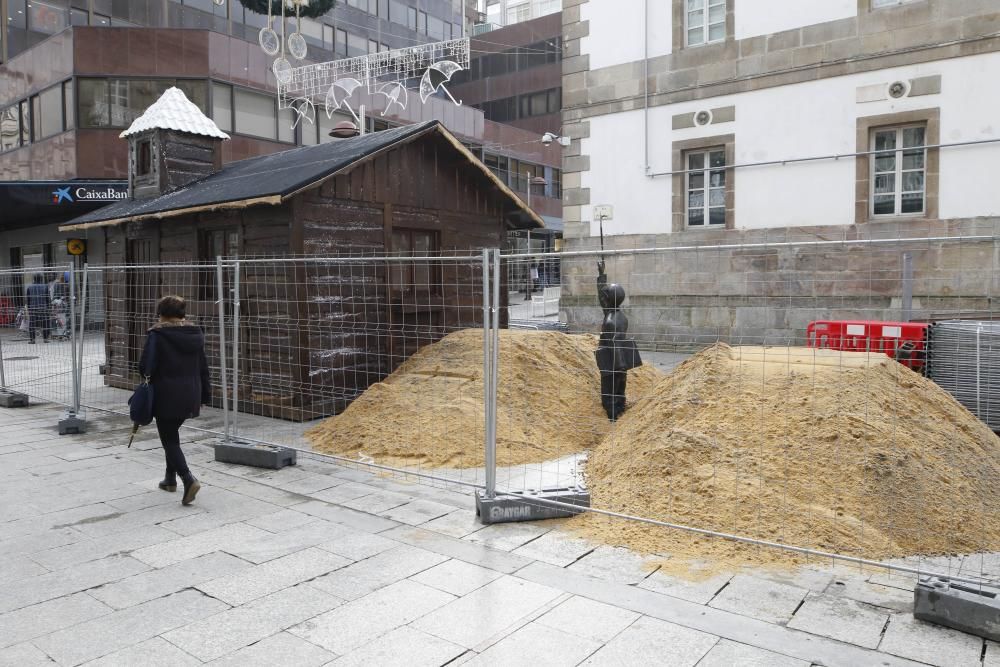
[[314, 333]]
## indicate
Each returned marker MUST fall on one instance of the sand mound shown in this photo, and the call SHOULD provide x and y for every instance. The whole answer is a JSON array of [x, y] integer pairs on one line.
[[430, 411], [831, 450]]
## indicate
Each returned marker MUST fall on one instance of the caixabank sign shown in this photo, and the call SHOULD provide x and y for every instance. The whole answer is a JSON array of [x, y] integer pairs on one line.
[[32, 202]]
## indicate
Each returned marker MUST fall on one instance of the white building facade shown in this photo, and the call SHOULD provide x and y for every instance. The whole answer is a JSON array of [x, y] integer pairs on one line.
[[717, 121]]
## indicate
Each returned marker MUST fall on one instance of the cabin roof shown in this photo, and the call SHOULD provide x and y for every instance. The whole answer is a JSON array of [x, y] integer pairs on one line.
[[272, 179]]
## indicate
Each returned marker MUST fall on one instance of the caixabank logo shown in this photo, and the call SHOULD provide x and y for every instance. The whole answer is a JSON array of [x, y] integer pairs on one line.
[[69, 194]]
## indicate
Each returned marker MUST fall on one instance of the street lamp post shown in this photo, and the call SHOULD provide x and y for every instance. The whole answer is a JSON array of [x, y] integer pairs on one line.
[[529, 280]]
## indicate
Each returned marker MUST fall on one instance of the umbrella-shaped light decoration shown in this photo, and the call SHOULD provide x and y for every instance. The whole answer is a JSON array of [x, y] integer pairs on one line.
[[436, 76], [336, 97], [303, 108], [395, 93]]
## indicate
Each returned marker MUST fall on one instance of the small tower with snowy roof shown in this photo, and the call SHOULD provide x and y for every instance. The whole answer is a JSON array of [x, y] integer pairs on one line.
[[170, 145]]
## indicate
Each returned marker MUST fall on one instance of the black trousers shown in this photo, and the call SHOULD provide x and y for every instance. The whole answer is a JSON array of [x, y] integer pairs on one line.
[[37, 321], [170, 438], [613, 393]]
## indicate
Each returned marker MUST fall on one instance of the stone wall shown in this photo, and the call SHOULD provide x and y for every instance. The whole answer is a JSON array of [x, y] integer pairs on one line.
[[765, 286]]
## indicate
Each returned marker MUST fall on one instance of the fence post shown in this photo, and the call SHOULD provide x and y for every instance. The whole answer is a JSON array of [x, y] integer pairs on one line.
[[907, 287], [488, 405], [221, 302], [236, 349], [73, 422], [83, 334], [491, 443]]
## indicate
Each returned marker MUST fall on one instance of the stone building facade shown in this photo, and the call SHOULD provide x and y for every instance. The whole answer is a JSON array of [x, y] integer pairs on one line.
[[727, 126]]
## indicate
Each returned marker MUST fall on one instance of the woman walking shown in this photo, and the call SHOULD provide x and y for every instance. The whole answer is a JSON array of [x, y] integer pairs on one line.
[[174, 360]]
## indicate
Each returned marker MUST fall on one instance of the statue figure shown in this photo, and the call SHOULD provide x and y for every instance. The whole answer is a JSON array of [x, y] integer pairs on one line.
[[616, 352]]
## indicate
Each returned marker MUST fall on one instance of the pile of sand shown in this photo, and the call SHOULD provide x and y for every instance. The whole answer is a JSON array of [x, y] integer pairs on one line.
[[835, 451], [430, 411]]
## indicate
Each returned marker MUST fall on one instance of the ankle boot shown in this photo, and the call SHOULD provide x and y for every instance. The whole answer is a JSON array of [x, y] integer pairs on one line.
[[191, 488], [169, 482]]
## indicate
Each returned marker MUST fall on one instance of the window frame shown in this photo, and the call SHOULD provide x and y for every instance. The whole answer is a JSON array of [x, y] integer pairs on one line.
[[679, 182], [706, 26], [402, 275], [706, 171], [889, 4], [898, 171]]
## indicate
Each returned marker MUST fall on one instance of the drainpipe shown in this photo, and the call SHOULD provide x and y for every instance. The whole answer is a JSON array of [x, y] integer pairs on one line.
[[645, 80]]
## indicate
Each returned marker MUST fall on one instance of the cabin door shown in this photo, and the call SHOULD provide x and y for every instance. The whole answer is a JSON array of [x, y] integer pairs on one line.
[[415, 304], [142, 291]]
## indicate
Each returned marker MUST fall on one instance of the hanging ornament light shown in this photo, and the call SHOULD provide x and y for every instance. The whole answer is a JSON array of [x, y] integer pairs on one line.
[[310, 8], [296, 42], [281, 67]]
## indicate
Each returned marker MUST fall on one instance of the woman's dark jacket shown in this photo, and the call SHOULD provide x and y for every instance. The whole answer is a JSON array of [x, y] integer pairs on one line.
[[180, 378]]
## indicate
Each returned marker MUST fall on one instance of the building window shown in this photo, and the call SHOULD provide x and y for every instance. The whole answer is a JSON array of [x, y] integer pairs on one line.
[[144, 157], [256, 114], [878, 4], [706, 187], [705, 21], [118, 102], [898, 168], [10, 128], [222, 106]]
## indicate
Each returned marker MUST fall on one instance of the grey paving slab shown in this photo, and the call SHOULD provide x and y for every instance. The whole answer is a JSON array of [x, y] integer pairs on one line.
[[729, 654], [759, 598], [29, 544], [487, 611], [456, 577], [74, 517], [281, 521], [694, 590], [357, 623], [741, 629], [357, 545], [144, 499], [508, 536], [378, 502], [840, 618], [171, 579], [231, 630], [477, 554], [650, 640], [556, 548], [89, 549], [122, 629], [345, 492], [346, 516], [192, 546], [309, 484], [404, 644], [615, 564], [417, 512], [877, 595], [155, 652], [218, 507], [278, 649], [536, 644], [30, 622], [125, 521], [24, 655], [992, 657], [20, 567], [371, 574], [589, 619], [25, 592], [270, 546], [272, 576], [815, 579], [455, 524], [931, 644]]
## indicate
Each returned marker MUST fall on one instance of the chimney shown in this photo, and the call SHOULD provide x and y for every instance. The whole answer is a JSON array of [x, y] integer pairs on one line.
[[170, 145]]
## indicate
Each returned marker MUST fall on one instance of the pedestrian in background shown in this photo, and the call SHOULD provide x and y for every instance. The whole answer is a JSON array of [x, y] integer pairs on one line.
[[38, 309], [174, 361]]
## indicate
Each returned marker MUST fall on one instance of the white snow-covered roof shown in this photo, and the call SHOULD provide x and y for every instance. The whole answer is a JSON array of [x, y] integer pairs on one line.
[[174, 111]]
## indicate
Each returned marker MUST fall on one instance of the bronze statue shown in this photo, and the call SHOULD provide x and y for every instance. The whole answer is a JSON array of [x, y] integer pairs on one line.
[[616, 352]]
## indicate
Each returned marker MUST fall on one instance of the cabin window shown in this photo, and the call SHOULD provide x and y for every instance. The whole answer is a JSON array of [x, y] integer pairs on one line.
[[144, 158], [422, 275]]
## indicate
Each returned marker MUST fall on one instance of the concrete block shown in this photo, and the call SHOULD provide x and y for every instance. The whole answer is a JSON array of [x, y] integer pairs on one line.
[[971, 609], [74, 423], [914, 639], [256, 455], [12, 399], [529, 506]]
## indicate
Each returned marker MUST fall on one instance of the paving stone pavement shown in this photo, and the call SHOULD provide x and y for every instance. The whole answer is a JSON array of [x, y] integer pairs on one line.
[[323, 564]]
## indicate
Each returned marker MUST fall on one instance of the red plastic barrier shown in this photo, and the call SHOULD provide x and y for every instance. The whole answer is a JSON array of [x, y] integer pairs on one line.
[[904, 341]]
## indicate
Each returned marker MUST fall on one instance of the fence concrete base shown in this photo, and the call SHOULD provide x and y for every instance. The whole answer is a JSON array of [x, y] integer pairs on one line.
[[529, 506], [961, 606], [258, 456], [12, 399], [73, 423]]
